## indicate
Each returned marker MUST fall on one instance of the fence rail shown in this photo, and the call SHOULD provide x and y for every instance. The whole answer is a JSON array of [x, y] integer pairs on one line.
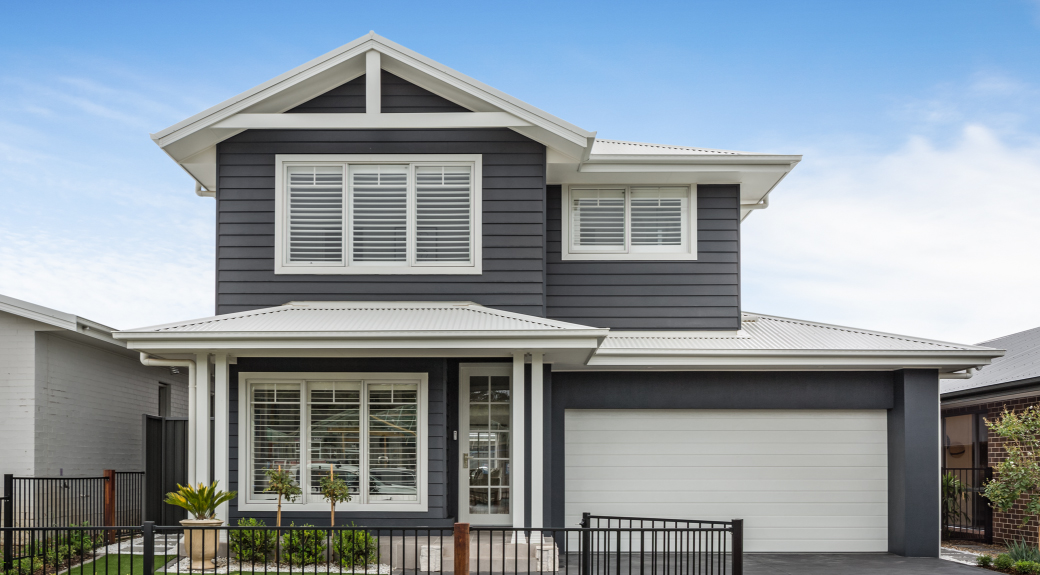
[[965, 513], [461, 550]]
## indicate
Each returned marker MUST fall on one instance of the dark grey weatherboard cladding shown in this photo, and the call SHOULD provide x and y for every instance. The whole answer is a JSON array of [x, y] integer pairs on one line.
[[701, 294], [513, 229], [439, 512], [397, 96]]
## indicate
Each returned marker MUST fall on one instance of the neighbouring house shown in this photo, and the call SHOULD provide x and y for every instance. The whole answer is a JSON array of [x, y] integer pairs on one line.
[[476, 311], [1012, 382], [72, 397]]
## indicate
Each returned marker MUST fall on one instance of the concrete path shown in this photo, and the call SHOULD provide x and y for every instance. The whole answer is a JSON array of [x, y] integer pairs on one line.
[[852, 564]]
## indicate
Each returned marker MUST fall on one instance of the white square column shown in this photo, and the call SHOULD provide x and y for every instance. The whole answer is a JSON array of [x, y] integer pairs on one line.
[[220, 428], [516, 491], [201, 445], [537, 440]]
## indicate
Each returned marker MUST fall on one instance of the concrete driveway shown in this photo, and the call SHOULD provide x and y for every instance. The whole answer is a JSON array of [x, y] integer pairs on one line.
[[851, 564]]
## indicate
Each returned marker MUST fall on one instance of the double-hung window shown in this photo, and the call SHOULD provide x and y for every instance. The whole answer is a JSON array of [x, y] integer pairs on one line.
[[366, 429], [629, 222], [378, 214]]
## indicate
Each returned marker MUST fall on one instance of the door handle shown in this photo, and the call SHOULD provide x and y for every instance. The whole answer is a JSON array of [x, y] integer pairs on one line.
[[465, 460]]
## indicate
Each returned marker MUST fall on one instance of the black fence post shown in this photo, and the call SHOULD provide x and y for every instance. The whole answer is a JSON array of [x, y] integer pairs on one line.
[[586, 544], [8, 521], [148, 541], [738, 547]]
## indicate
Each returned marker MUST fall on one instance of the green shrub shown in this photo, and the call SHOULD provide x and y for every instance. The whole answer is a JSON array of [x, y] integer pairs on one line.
[[984, 560], [1026, 568], [24, 566], [355, 547], [303, 546], [1003, 562], [1022, 551], [252, 545]]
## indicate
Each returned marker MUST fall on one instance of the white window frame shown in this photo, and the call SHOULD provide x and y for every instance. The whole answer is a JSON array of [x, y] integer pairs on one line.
[[346, 267], [310, 502], [688, 250]]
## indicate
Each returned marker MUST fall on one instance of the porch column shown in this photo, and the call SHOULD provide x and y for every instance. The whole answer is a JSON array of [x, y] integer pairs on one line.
[[220, 428], [201, 423], [537, 439], [519, 449]]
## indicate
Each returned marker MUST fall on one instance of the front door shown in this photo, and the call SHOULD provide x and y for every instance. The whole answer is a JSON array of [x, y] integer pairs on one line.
[[485, 430]]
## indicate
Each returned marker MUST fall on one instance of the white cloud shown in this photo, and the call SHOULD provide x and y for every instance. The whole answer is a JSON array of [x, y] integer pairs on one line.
[[120, 284], [927, 241]]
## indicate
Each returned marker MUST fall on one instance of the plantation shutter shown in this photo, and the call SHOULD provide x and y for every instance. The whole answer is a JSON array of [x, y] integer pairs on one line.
[[598, 219], [335, 432], [443, 215], [393, 442], [315, 214], [379, 213], [658, 216], [275, 409]]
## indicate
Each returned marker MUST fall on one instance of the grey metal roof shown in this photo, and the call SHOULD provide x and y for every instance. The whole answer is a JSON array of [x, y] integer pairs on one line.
[[1020, 363], [621, 147], [366, 317], [764, 332]]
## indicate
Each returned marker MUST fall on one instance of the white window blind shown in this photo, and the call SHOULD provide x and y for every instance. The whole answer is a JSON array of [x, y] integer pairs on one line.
[[315, 214], [379, 215], [335, 432], [598, 219], [275, 440], [393, 434], [658, 216], [443, 226]]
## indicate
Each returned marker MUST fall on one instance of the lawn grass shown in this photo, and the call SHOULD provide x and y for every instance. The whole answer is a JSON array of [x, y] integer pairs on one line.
[[117, 565]]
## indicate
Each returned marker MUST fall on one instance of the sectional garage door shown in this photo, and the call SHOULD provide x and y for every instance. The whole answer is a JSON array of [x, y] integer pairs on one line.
[[803, 481]]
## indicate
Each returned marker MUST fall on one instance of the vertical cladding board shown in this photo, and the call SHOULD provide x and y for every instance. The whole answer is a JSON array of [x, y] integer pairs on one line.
[[701, 294], [513, 211]]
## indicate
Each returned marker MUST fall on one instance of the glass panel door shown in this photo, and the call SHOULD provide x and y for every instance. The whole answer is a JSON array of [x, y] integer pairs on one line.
[[484, 443]]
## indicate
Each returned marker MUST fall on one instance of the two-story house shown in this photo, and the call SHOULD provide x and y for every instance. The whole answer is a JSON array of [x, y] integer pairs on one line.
[[477, 311]]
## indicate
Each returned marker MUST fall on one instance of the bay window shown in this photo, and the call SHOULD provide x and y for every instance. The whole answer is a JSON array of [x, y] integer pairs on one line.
[[366, 429], [378, 214], [629, 222]]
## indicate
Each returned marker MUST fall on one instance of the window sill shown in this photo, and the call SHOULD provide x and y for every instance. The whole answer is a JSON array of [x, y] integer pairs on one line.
[[403, 507], [378, 270], [639, 257]]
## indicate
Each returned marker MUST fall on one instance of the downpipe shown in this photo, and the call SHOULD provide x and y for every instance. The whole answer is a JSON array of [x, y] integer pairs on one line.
[[967, 374], [190, 364]]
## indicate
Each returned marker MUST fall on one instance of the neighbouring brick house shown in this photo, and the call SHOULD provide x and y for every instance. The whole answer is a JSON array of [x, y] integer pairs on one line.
[[1012, 382]]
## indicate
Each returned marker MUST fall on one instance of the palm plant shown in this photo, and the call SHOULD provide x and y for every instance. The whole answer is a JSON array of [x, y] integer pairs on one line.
[[201, 501]]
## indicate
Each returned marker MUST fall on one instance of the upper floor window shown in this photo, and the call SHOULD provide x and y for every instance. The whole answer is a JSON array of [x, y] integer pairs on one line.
[[377, 214], [629, 222]]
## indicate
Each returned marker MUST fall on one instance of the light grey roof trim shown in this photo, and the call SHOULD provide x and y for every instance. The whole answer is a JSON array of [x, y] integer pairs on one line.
[[58, 319]]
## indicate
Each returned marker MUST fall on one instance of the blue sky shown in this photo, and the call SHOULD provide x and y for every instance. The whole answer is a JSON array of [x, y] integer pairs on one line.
[[915, 209]]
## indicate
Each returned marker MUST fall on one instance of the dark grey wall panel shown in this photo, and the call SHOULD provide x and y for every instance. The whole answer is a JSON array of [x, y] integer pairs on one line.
[[699, 390], [441, 481], [398, 96], [913, 464], [513, 240], [702, 294]]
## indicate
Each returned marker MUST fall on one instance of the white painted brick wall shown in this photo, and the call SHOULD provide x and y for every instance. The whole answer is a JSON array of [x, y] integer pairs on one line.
[[17, 396], [89, 403]]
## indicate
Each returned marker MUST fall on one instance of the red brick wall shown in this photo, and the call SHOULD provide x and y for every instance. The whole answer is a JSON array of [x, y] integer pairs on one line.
[[1006, 526]]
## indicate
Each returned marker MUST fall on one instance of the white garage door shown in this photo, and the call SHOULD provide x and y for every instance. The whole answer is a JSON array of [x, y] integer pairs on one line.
[[803, 481]]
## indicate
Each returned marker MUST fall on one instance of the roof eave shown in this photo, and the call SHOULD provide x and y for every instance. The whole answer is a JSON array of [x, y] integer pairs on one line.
[[795, 359]]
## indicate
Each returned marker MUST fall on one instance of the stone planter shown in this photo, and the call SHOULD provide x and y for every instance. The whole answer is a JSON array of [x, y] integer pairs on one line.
[[201, 544]]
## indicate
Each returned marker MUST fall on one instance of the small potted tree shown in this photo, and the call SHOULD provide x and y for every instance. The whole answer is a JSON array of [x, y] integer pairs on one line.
[[334, 490], [201, 502], [282, 483]]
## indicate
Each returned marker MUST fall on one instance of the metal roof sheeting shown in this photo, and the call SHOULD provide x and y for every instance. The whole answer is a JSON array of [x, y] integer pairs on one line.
[[763, 332], [366, 317], [620, 147], [1020, 363]]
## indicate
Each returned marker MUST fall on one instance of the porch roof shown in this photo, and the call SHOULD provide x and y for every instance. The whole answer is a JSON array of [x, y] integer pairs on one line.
[[384, 328]]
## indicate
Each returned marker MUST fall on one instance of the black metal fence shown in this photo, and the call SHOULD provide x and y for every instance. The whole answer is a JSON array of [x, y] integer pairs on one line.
[[680, 548], [129, 497], [965, 513]]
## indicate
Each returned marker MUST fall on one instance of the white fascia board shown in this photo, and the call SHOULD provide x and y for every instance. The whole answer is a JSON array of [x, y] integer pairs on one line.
[[364, 337], [690, 167], [467, 345], [38, 313], [355, 121], [792, 359], [781, 160]]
